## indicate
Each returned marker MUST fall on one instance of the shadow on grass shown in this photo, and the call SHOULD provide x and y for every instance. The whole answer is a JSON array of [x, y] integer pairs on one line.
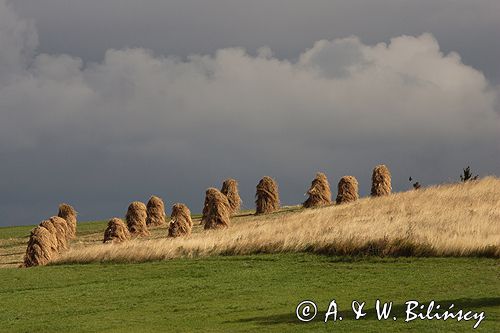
[[398, 310]]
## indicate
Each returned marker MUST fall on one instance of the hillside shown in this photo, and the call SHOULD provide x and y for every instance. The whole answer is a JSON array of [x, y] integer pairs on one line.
[[445, 220]]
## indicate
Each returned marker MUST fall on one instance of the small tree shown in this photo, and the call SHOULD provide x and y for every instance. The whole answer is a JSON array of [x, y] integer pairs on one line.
[[467, 175]]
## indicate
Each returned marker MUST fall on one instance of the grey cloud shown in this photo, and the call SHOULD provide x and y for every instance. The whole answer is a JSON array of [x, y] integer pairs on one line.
[[102, 134], [18, 40], [182, 27]]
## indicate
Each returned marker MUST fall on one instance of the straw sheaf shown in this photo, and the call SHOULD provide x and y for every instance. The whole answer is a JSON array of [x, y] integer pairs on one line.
[[136, 219], [347, 190], [217, 210], [181, 223], [319, 192], [42, 247], [116, 232], [381, 181], [267, 196], [155, 210]]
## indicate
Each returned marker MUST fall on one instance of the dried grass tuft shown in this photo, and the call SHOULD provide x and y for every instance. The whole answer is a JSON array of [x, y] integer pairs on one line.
[[181, 223], [155, 210], [116, 232], [381, 181], [136, 219], [319, 193], [230, 190], [267, 196], [69, 214], [347, 190], [217, 210]]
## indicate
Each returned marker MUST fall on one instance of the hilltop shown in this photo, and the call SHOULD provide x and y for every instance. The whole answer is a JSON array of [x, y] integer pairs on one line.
[[445, 220]]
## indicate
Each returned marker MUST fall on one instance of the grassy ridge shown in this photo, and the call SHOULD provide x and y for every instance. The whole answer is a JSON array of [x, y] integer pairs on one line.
[[241, 294], [452, 220], [449, 220]]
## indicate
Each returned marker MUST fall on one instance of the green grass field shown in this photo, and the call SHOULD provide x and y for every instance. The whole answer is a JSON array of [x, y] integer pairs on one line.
[[243, 294]]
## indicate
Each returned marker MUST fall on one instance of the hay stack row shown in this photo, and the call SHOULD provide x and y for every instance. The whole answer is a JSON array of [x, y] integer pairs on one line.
[[51, 237], [219, 206], [140, 217], [320, 194]]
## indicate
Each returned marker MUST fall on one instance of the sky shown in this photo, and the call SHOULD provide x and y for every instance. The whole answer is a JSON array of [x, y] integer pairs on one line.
[[107, 102]]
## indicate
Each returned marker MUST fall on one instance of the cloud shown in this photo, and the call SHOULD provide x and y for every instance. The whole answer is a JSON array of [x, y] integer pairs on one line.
[[18, 39], [137, 123]]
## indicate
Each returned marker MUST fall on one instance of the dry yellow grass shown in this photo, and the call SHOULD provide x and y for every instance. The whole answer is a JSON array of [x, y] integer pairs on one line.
[[447, 220]]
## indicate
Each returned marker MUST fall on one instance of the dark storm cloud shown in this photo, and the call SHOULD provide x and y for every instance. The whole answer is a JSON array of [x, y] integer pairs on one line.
[[88, 28], [135, 123]]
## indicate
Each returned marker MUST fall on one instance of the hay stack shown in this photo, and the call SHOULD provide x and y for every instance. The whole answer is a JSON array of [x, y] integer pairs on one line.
[[319, 192], [217, 210], [136, 219], [155, 210], [60, 229], [181, 223], [381, 181], [68, 213], [116, 232], [347, 190], [42, 247], [267, 198], [230, 190]]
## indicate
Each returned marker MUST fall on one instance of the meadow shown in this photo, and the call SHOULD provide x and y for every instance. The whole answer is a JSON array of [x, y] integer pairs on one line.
[[243, 294], [439, 243]]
